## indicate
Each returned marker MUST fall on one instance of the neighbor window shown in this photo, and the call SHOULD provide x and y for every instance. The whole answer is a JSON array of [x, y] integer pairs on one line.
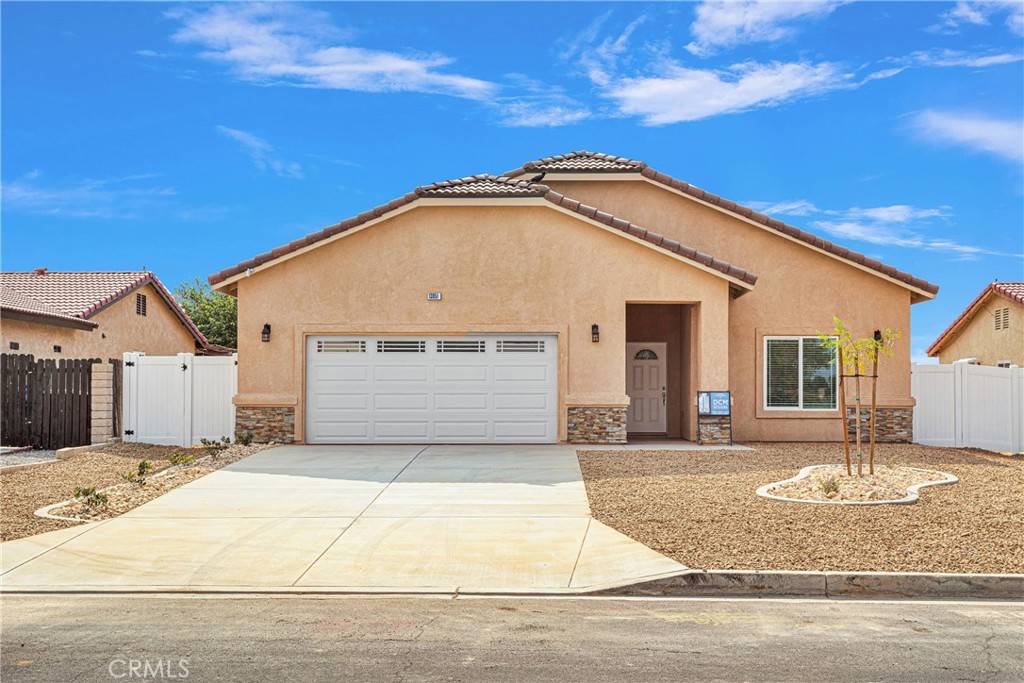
[[15, 346], [799, 374], [1004, 364], [140, 304]]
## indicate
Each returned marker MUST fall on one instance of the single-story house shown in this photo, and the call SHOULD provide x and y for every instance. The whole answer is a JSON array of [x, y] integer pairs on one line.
[[990, 330], [588, 305], [93, 315]]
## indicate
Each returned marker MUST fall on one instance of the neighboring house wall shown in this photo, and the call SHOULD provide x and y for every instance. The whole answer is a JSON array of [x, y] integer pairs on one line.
[[500, 269], [159, 332], [980, 339], [798, 291]]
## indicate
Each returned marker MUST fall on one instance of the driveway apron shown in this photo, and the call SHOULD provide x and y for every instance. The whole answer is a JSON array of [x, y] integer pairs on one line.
[[510, 519]]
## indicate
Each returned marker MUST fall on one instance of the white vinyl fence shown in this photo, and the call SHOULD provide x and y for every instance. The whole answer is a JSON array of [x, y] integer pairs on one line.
[[178, 400], [976, 406]]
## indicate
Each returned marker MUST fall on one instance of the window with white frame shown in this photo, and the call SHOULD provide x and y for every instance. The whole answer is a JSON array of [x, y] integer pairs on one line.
[[799, 374]]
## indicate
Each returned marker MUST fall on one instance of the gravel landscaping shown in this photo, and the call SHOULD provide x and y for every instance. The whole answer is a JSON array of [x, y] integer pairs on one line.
[[130, 495], [22, 492], [26, 458], [700, 508]]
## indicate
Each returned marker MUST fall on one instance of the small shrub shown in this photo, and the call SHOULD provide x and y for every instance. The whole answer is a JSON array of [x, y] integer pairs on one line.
[[180, 458], [244, 439], [139, 475], [91, 498], [830, 485]]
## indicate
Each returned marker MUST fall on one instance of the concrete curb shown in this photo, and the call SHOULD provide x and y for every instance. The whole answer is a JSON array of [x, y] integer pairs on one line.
[[828, 585], [70, 451], [25, 466]]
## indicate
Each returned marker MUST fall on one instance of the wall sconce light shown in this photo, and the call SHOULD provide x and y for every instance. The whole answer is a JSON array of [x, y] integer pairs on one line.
[[266, 332], [595, 333]]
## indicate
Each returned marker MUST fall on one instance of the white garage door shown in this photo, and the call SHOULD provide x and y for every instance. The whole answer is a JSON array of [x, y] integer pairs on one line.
[[474, 389]]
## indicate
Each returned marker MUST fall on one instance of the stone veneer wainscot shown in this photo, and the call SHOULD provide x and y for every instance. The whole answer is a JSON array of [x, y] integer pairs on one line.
[[892, 425], [266, 423], [714, 430], [597, 424]]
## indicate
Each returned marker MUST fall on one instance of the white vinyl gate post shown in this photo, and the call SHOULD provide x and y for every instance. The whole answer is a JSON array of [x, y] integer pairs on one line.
[[958, 403], [130, 395], [186, 395], [1016, 409], [234, 392]]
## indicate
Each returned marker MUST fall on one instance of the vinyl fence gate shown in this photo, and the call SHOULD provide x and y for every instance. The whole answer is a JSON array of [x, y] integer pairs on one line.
[[973, 406], [178, 400]]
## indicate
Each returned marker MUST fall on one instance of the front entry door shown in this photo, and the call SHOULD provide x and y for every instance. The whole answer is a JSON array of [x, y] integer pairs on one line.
[[647, 386]]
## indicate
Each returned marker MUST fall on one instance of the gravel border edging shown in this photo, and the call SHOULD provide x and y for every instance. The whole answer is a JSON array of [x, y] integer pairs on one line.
[[911, 497], [755, 583], [25, 465]]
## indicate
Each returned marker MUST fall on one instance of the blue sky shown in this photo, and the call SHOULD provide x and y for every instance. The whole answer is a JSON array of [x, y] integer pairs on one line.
[[187, 137]]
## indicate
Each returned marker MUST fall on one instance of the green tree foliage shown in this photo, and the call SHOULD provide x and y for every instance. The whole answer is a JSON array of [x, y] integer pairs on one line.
[[216, 315]]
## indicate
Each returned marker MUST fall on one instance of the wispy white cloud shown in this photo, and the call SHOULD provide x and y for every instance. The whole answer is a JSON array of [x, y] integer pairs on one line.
[[286, 44], [982, 14], [538, 105], [724, 24], [979, 132], [897, 225], [150, 53], [952, 58], [601, 60], [665, 90], [679, 93], [889, 235], [112, 198], [262, 153]]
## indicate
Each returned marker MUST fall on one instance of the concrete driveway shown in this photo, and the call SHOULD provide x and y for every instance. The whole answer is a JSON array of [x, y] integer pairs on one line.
[[364, 518]]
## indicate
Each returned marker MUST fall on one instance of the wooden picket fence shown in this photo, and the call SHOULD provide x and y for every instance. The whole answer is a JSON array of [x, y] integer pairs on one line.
[[45, 403]]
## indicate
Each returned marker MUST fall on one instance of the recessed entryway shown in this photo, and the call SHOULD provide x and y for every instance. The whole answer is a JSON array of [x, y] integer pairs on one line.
[[659, 363]]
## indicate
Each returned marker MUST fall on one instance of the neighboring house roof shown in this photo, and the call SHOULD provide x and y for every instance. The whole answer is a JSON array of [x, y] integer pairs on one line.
[[1014, 291], [492, 187], [594, 162], [80, 296], [17, 306]]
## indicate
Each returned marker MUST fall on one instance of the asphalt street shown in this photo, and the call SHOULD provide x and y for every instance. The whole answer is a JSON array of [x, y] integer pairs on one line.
[[279, 639]]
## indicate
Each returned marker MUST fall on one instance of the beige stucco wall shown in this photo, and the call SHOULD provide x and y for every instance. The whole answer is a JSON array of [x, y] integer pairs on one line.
[[980, 339], [500, 268], [797, 292], [158, 333]]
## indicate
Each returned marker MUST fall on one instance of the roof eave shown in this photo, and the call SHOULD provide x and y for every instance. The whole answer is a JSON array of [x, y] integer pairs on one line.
[[45, 319]]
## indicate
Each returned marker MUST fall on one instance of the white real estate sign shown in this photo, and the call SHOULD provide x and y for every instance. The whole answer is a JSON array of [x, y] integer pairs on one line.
[[436, 389], [964, 405], [178, 400]]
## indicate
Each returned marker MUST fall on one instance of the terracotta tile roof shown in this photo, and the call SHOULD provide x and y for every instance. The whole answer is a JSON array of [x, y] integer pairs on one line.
[[1014, 291], [577, 161], [17, 302], [482, 186], [580, 162], [81, 295], [489, 186]]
